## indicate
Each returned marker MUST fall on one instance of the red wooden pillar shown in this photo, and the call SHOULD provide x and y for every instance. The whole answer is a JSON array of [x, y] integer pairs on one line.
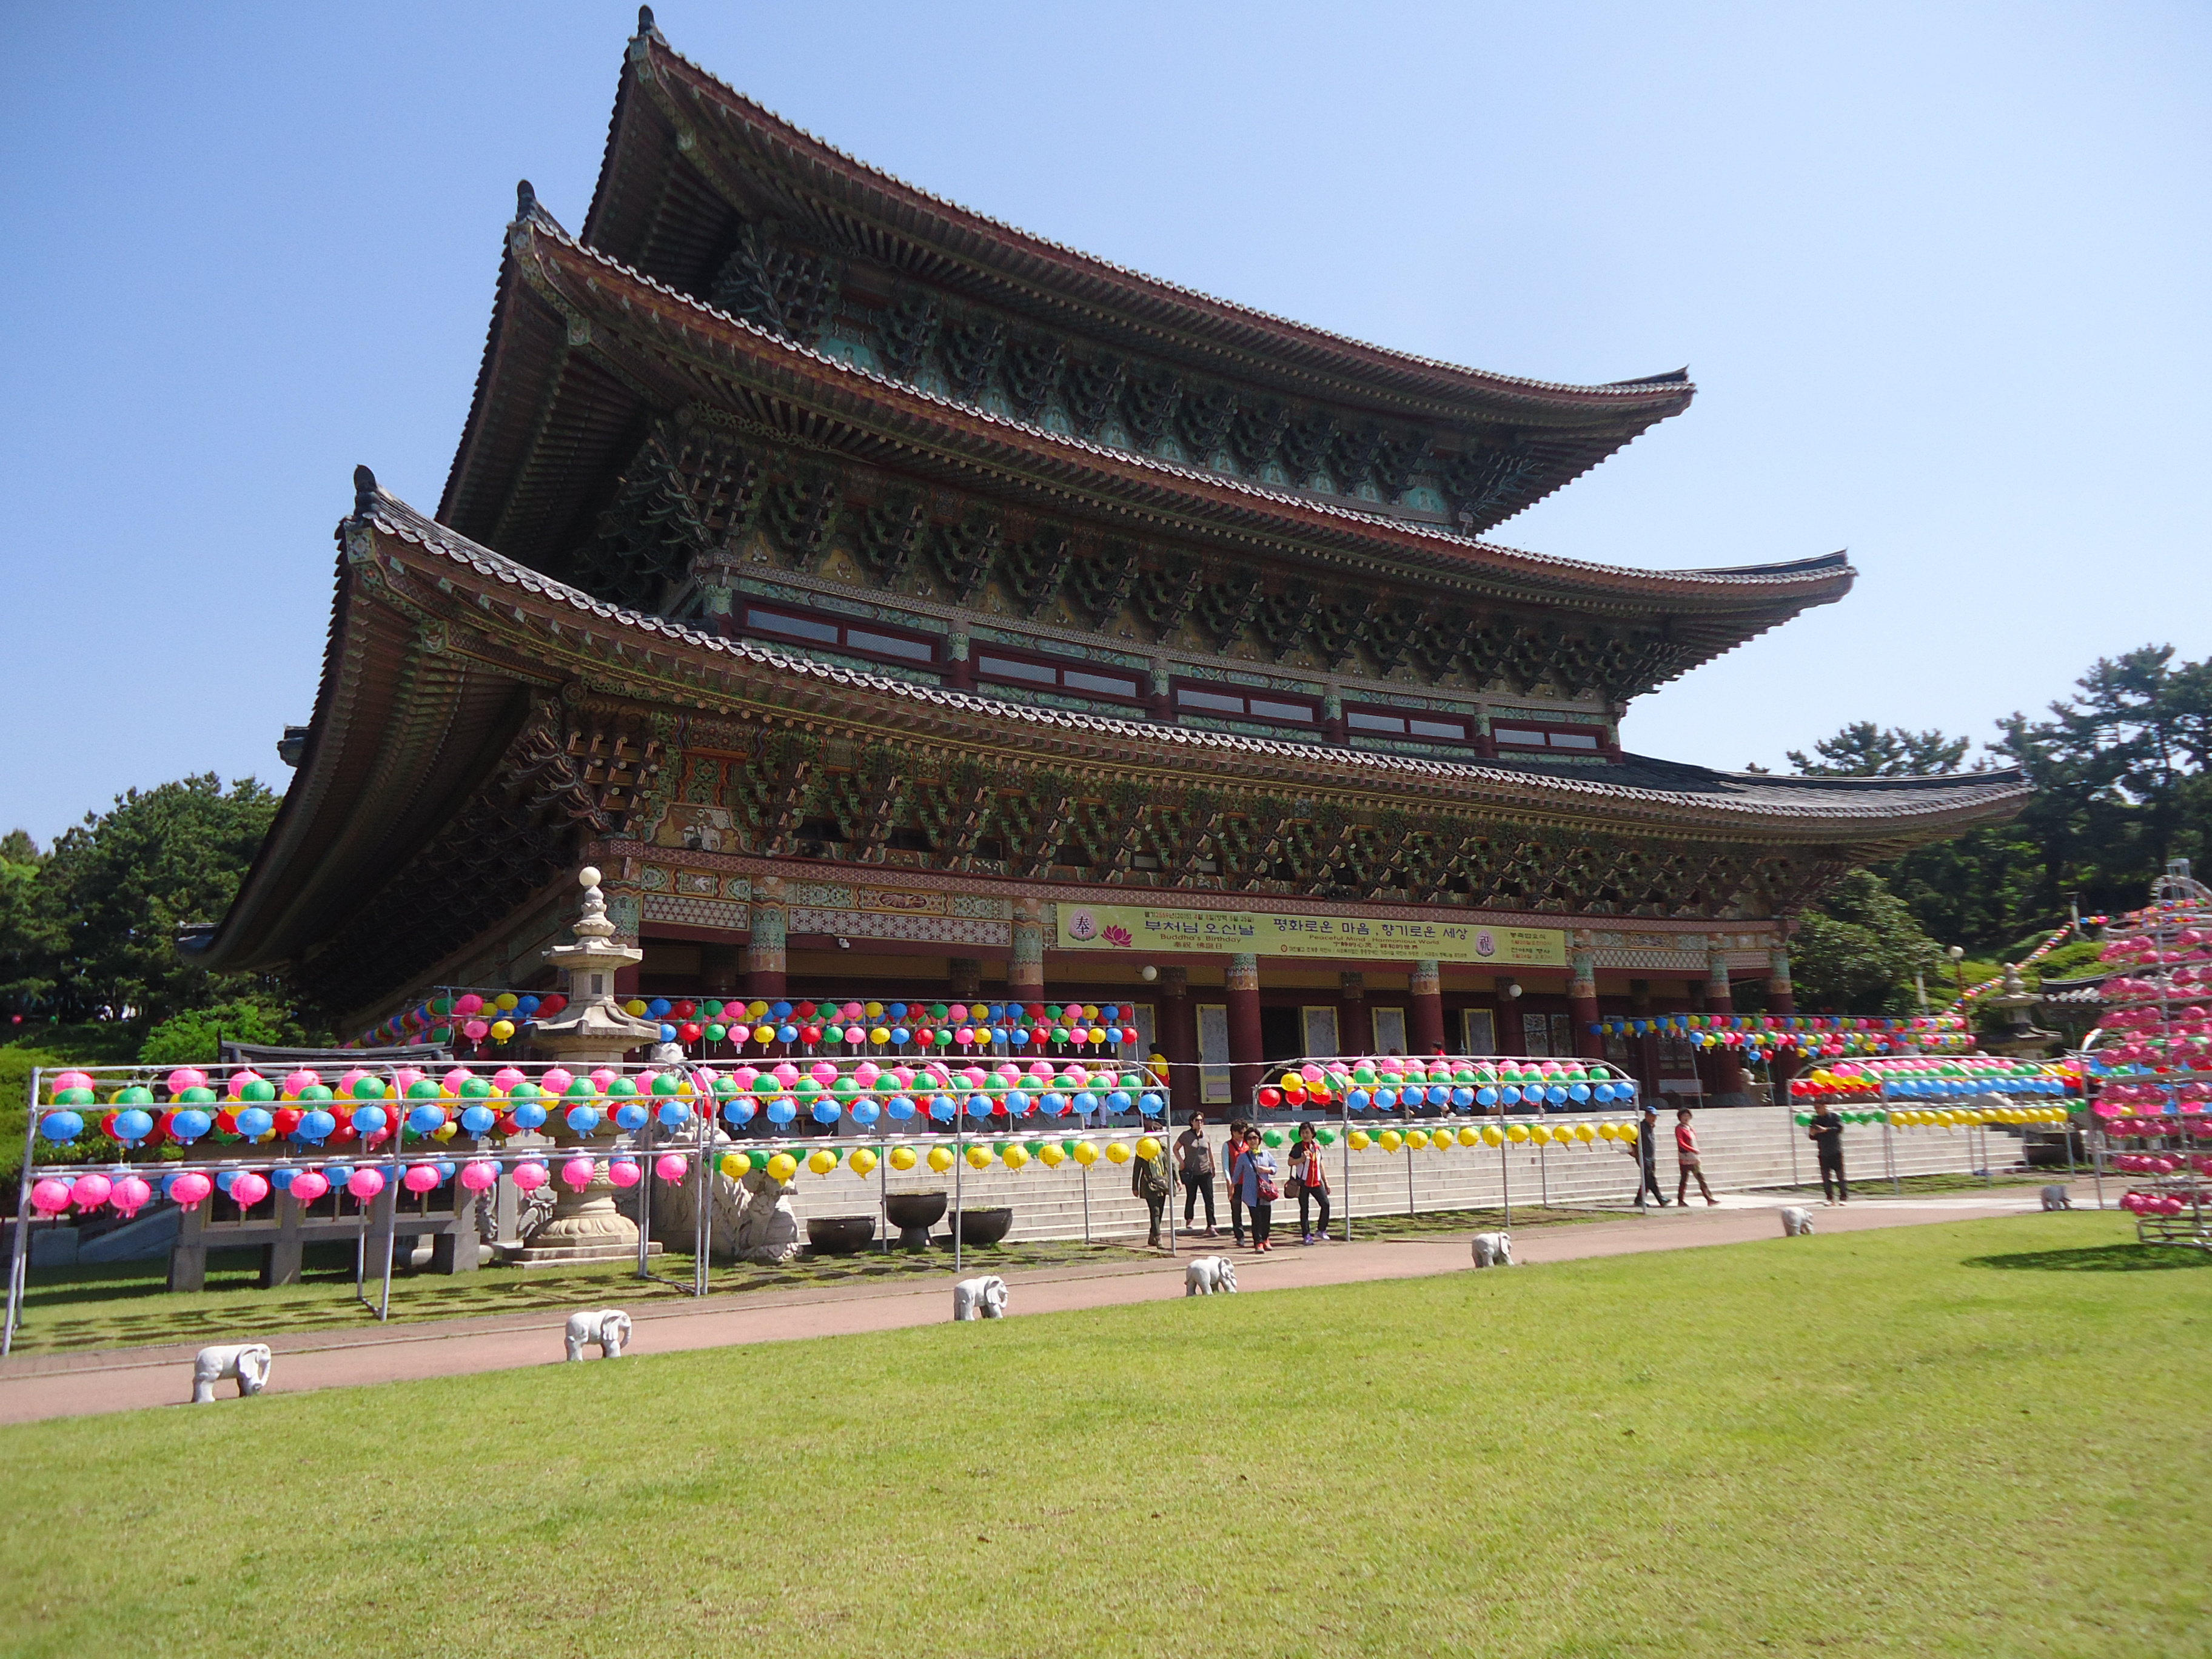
[[1728, 1071], [764, 946], [1355, 1027], [1246, 1049], [1782, 1001], [1646, 1049], [1582, 997], [1175, 1023], [1425, 1013]]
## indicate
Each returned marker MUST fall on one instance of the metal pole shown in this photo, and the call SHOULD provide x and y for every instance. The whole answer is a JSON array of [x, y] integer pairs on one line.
[[390, 1196], [1889, 1156], [20, 1257], [1789, 1128], [1505, 1178], [1407, 1147], [960, 1163], [1085, 1168], [2096, 1165], [1169, 1117], [702, 1220], [1345, 1112], [1544, 1172], [645, 1198]]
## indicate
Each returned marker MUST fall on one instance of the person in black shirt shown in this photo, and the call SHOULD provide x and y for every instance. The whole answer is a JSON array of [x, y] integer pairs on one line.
[[1827, 1137], [1647, 1159]]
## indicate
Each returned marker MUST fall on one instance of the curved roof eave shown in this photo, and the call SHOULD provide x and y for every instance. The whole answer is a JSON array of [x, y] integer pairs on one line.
[[1017, 257], [612, 293]]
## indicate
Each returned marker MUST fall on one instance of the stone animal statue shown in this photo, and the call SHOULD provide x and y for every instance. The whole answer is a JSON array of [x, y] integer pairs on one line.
[[1796, 1222], [767, 1230], [246, 1361], [979, 1298], [1210, 1275], [1493, 1249], [2055, 1197], [608, 1326]]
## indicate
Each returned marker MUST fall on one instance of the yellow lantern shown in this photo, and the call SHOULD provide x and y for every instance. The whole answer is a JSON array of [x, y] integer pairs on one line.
[[1584, 1133], [763, 1034], [507, 1002], [821, 1160], [1116, 1153], [783, 1166], [635, 1007], [1630, 1133], [879, 1036], [1052, 1158], [1359, 1140], [1492, 1135], [979, 1158], [1417, 1138], [873, 1010], [503, 1030], [443, 1132], [1085, 1154], [1540, 1135], [940, 1159], [1017, 1156], [1470, 1136], [1148, 1148], [754, 1010], [903, 1158], [862, 1161], [1392, 1140], [734, 1165], [1518, 1134], [1440, 1141]]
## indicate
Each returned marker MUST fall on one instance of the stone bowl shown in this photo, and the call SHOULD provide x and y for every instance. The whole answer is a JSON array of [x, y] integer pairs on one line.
[[840, 1235], [905, 1210], [978, 1227]]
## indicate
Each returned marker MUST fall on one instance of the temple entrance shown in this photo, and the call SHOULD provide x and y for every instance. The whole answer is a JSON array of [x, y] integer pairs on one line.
[[1282, 1035]]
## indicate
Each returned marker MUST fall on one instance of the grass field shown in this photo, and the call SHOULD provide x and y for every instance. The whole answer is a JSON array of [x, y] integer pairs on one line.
[[1982, 1437], [128, 1304]]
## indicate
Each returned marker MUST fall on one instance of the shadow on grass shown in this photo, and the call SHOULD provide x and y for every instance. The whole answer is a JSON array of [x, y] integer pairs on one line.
[[2096, 1258]]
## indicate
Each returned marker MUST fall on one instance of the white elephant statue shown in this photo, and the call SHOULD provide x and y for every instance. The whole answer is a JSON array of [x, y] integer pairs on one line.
[[246, 1361], [608, 1326], [1796, 1222], [1493, 1249], [979, 1298], [2055, 1197], [1210, 1275]]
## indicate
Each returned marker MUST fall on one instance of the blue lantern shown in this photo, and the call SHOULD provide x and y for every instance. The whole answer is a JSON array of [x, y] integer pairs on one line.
[[900, 1107], [61, 1126], [421, 1120], [943, 1108], [781, 1110], [630, 1114], [583, 1119]]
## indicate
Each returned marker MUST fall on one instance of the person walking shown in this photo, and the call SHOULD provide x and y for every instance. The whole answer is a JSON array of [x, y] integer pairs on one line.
[[1827, 1134], [1148, 1180], [1256, 1178], [1685, 1155], [1310, 1177], [1195, 1159], [1646, 1153], [1231, 1150]]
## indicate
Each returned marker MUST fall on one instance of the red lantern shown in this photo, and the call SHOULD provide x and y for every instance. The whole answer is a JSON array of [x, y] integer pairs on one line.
[[1270, 1096], [689, 1031]]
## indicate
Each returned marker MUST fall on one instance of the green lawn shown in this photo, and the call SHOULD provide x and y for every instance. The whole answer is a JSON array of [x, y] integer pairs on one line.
[[1981, 1437], [127, 1305]]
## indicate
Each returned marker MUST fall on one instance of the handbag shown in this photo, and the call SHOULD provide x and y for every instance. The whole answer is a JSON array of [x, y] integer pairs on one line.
[[1264, 1188]]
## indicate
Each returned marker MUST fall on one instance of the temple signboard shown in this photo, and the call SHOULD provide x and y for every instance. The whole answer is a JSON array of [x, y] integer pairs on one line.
[[1157, 930]]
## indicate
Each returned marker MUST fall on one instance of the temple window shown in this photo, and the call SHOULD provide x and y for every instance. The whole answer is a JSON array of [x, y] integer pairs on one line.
[[789, 625], [1277, 708], [1576, 739], [997, 666], [1419, 724]]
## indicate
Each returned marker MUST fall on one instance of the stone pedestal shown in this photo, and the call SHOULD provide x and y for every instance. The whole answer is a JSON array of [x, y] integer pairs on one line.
[[592, 1030]]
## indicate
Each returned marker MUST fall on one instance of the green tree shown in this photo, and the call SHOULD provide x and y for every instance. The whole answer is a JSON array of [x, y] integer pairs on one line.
[[194, 1036], [1857, 950], [91, 934], [1863, 750]]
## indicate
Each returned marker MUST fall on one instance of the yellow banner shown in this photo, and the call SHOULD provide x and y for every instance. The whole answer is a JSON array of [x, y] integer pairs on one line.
[[1143, 930]]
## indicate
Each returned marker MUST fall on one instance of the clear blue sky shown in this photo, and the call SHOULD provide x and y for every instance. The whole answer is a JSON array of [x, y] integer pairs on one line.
[[1939, 272]]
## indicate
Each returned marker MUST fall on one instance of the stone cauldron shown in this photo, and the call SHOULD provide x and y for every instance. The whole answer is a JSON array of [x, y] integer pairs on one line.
[[840, 1235], [914, 1214], [973, 1227]]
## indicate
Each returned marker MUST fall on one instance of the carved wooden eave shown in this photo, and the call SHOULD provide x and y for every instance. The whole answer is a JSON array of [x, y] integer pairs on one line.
[[594, 350]]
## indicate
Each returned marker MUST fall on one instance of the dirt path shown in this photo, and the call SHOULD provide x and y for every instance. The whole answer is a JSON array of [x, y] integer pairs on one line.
[[33, 1387]]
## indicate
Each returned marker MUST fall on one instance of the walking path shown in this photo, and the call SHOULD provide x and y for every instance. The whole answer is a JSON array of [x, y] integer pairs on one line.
[[38, 1386]]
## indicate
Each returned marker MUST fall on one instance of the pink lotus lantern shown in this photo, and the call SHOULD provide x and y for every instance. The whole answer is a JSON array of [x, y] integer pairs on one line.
[[49, 1197], [130, 1196], [556, 1081], [191, 1187], [420, 1177], [478, 1174], [248, 1188], [529, 1175], [309, 1185], [624, 1172], [89, 1192], [670, 1166], [577, 1173], [186, 1076]]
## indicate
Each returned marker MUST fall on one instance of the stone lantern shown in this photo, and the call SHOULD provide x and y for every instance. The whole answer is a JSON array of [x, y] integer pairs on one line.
[[2023, 1037], [592, 1030]]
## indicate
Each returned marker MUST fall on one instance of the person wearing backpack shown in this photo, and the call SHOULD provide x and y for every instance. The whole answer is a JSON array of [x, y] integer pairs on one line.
[[1256, 1184], [1148, 1180]]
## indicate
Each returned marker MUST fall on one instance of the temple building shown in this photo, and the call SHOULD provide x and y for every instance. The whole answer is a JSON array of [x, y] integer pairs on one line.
[[891, 602]]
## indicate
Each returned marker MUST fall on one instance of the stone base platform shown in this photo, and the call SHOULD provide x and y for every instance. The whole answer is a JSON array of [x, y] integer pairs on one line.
[[562, 1255]]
